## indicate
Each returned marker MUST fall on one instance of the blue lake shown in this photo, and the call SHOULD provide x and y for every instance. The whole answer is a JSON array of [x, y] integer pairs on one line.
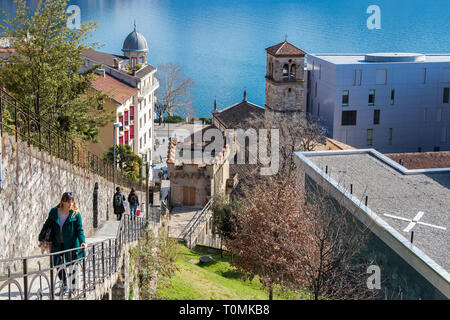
[[221, 43]]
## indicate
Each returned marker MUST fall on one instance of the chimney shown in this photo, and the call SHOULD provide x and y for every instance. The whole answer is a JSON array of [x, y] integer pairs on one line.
[[245, 95], [215, 105]]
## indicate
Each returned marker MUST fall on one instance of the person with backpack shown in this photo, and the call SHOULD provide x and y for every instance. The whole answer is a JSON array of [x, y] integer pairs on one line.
[[133, 200], [118, 203]]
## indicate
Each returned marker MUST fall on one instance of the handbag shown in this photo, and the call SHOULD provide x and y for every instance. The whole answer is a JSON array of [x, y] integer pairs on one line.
[[48, 234]]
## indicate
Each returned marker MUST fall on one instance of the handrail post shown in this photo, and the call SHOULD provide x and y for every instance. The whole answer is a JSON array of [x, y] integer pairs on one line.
[[93, 264], [103, 260], [84, 275], [52, 283], [25, 279]]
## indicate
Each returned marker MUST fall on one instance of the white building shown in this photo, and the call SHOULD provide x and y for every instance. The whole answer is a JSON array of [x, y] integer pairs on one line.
[[393, 102], [134, 111]]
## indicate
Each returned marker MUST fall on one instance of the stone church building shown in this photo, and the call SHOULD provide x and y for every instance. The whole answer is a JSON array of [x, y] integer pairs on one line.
[[194, 183]]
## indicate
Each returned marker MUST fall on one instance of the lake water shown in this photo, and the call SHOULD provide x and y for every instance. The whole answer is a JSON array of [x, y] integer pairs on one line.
[[221, 43]]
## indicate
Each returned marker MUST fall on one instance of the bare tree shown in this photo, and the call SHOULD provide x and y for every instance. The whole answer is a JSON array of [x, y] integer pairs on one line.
[[297, 132], [174, 94], [297, 240]]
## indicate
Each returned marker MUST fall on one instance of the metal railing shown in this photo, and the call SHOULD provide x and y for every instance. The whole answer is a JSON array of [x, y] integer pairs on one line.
[[199, 220], [38, 278], [19, 121]]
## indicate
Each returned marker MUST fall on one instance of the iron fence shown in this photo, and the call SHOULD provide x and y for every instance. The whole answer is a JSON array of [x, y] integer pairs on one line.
[[19, 121], [37, 278]]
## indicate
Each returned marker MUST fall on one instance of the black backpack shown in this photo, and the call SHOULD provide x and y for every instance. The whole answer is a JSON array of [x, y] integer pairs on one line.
[[118, 200], [133, 199]]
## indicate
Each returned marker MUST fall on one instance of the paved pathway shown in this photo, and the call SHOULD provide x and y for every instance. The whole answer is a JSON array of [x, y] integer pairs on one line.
[[181, 218]]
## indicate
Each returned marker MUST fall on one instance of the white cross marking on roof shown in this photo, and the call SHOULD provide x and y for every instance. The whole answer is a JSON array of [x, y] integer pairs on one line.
[[414, 221]]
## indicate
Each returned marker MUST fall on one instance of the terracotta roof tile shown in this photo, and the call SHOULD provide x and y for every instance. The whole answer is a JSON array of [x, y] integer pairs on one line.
[[114, 88], [422, 160], [285, 49]]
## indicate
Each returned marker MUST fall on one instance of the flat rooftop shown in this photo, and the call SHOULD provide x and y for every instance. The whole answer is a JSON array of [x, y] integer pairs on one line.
[[388, 57], [396, 191]]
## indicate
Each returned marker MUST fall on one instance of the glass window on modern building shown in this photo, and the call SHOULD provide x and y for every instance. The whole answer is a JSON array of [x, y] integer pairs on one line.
[[348, 118], [444, 134], [390, 135], [369, 137], [345, 98], [371, 97], [392, 96], [376, 116], [446, 95]]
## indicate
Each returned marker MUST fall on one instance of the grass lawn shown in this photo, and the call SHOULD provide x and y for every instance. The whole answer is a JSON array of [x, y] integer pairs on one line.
[[216, 280]]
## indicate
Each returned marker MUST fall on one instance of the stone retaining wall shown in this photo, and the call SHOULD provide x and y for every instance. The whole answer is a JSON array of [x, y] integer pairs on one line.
[[33, 183]]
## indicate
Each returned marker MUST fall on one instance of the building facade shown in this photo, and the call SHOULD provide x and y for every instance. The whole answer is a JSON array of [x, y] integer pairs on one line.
[[393, 102], [135, 112]]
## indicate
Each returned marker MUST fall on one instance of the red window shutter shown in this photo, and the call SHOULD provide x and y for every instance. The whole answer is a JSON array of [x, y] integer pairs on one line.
[[126, 118], [131, 113], [126, 138], [121, 140], [131, 131]]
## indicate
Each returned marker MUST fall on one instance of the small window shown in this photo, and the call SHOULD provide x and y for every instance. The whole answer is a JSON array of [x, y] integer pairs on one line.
[[419, 149], [376, 116], [345, 98], [354, 77], [371, 97], [348, 118], [436, 149], [446, 95], [392, 97], [390, 135], [369, 137]]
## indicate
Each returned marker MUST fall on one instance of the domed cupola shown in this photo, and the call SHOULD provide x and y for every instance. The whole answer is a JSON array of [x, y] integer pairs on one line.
[[135, 48]]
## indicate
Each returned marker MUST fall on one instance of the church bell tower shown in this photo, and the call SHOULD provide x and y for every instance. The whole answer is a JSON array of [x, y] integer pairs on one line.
[[285, 79]]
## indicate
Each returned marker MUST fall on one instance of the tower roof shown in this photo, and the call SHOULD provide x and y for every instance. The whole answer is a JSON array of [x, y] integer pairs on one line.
[[285, 49], [135, 42]]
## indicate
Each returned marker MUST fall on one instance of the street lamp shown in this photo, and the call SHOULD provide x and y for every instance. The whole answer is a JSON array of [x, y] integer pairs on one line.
[[116, 125]]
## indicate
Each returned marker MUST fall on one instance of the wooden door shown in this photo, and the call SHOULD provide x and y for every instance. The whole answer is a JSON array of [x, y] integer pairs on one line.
[[185, 196], [192, 196]]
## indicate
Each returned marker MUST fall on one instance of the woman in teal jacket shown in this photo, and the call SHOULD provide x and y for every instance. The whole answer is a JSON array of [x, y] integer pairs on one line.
[[66, 227]]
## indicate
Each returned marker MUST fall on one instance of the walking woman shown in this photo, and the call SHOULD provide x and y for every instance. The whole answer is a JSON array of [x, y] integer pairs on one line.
[[66, 232]]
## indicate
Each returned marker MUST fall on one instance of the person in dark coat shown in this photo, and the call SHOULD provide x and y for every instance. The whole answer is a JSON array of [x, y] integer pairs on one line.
[[133, 200], [118, 203], [66, 230]]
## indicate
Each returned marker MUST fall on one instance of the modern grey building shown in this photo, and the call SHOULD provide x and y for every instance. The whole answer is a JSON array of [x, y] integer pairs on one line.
[[393, 102], [406, 211]]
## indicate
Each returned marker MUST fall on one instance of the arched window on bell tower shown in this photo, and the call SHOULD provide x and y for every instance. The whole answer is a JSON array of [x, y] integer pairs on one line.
[[285, 72], [293, 72]]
